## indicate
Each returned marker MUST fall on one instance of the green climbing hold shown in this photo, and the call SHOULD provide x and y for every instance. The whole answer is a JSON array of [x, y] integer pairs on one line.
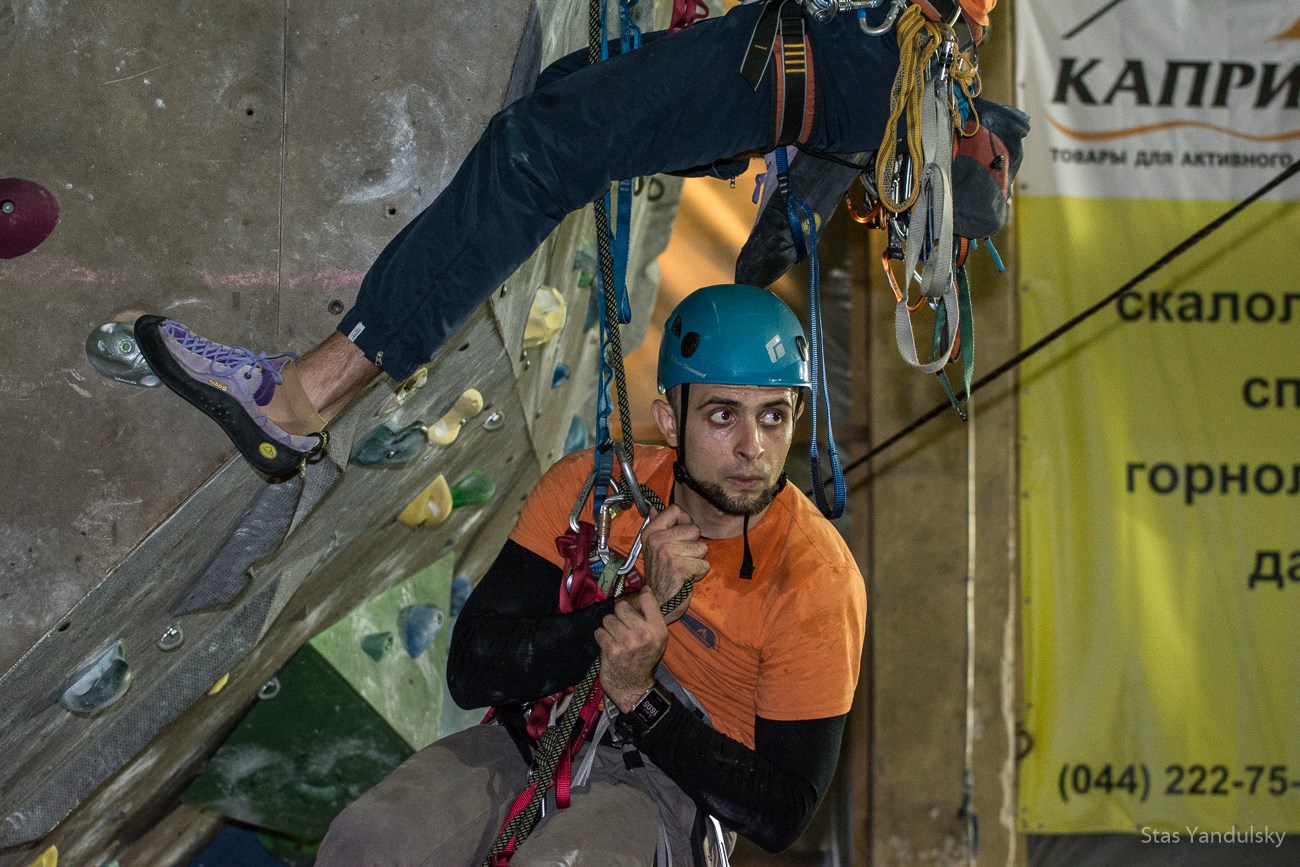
[[473, 489], [377, 644], [387, 446]]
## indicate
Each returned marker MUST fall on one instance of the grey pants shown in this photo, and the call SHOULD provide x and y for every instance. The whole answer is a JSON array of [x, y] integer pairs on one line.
[[444, 806]]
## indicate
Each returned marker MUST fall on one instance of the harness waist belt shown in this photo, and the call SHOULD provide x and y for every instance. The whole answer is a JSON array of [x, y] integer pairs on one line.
[[782, 25]]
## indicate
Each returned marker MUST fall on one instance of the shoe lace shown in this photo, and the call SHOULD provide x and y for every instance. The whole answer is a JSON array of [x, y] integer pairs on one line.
[[233, 357]]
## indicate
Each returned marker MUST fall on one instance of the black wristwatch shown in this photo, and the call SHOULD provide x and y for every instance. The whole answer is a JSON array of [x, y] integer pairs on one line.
[[643, 716]]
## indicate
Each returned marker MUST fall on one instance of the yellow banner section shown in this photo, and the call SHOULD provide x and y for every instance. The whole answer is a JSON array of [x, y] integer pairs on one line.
[[1161, 521]]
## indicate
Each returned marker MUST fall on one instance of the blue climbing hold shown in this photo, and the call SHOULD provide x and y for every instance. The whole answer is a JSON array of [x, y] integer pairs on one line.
[[560, 376], [576, 439], [420, 625], [460, 590]]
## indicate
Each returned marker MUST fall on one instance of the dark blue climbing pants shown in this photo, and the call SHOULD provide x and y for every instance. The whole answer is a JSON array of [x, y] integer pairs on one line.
[[677, 103]]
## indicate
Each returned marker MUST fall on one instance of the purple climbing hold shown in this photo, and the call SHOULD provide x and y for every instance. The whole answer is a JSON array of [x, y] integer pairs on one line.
[[28, 213]]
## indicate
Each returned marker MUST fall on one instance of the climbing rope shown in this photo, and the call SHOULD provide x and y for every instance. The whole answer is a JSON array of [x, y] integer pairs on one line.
[[919, 40], [556, 745]]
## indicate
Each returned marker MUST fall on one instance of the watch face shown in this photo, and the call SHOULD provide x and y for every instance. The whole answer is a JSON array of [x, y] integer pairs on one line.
[[648, 711], [645, 713]]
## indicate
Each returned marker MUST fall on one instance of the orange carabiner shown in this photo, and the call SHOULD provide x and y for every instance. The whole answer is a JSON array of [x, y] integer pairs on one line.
[[889, 275]]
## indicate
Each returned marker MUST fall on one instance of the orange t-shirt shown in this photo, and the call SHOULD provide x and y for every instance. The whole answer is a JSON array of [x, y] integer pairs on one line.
[[784, 645]]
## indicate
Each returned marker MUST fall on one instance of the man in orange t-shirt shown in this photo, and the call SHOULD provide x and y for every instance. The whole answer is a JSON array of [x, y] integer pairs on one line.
[[732, 706]]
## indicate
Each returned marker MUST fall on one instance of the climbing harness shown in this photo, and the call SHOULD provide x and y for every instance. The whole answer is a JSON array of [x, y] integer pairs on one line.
[[781, 25]]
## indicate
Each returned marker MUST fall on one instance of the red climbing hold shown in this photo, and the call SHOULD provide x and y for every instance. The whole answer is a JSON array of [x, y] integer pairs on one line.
[[28, 213]]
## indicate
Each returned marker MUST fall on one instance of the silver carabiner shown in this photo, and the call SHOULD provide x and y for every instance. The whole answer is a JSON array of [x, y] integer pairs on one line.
[[885, 26], [635, 550], [582, 500], [602, 552], [630, 482]]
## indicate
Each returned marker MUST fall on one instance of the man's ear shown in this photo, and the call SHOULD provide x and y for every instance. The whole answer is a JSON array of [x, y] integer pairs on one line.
[[665, 420]]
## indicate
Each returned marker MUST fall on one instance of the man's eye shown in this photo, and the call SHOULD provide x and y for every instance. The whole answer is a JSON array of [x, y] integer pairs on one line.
[[774, 417], [720, 416]]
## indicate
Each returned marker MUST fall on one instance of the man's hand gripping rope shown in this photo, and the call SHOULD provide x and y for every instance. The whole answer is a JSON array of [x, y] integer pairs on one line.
[[674, 558], [633, 638]]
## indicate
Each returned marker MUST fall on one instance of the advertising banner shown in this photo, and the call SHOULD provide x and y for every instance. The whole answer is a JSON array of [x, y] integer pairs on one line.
[[1160, 453]]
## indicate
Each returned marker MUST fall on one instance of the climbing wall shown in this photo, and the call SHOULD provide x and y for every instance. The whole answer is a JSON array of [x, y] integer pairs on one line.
[[237, 166]]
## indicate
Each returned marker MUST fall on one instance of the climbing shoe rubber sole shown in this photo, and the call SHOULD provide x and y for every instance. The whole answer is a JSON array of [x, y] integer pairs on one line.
[[273, 459]]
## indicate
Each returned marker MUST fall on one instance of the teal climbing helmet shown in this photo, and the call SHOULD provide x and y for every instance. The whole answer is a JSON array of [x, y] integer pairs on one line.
[[733, 335]]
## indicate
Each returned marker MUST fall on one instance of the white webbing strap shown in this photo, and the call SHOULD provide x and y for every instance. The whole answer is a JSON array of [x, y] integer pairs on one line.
[[930, 227]]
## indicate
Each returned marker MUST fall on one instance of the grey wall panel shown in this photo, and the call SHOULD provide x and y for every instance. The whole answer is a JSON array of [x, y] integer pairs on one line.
[[384, 102], [137, 119], [348, 548]]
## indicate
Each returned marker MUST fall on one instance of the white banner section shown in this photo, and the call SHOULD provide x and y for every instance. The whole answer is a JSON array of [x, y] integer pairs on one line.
[[1158, 99]]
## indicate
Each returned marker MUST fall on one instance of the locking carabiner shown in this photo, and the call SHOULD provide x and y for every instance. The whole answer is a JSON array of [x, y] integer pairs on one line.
[[608, 511]]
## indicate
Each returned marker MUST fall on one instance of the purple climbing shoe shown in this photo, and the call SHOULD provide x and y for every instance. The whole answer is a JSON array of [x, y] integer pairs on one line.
[[231, 385]]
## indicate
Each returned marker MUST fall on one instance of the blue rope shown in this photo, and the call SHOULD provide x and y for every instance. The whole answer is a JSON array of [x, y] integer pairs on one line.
[[619, 236], [820, 390]]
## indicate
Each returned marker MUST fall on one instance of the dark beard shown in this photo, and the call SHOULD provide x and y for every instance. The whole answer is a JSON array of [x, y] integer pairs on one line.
[[716, 497]]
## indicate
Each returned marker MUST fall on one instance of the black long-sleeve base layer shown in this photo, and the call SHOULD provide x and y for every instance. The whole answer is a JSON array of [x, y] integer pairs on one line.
[[509, 647]]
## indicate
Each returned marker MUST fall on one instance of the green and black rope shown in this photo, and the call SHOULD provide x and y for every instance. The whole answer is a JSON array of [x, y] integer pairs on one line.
[[558, 738]]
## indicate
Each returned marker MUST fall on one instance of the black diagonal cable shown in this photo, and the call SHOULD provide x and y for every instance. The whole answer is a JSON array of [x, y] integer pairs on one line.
[[1087, 22], [1042, 342]]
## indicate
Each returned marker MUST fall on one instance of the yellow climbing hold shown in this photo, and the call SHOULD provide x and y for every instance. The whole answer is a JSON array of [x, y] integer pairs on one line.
[[49, 858], [548, 314], [444, 431], [220, 684], [430, 507]]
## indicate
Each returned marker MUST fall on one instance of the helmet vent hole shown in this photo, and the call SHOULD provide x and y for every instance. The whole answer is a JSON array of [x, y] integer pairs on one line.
[[690, 343], [801, 345], [677, 326]]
